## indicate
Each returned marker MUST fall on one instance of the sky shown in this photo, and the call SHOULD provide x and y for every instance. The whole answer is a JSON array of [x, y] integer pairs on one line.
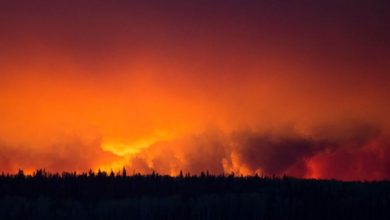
[[300, 88]]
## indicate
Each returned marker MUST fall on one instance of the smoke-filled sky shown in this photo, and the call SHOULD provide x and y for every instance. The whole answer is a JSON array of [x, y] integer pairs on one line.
[[270, 87]]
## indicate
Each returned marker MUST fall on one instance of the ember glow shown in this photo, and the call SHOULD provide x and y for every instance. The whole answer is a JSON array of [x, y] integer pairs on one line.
[[297, 88]]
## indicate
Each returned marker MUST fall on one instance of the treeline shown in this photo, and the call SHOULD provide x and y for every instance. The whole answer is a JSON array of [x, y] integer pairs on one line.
[[104, 195]]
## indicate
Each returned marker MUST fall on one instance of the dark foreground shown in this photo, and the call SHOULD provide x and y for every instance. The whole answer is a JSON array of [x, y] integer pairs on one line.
[[109, 196]]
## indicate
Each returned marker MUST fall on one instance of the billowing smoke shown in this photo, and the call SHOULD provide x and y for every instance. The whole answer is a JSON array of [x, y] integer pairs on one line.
[[357, 151], [354, 151], [71, 155]]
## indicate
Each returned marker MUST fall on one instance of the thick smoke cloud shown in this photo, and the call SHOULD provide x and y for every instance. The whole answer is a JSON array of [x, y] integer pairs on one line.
[[356, 151], [353, 152], [273, 154], [204, 152], [72, 155]]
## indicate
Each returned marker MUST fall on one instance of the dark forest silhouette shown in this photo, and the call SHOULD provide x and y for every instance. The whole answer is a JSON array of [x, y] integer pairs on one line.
[[104, 195]]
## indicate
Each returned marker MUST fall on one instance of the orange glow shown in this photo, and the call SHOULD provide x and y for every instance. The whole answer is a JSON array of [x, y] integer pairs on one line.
[[166, 91]]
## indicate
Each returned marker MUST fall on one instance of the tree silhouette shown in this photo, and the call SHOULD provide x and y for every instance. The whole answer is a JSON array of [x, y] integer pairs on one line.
[[44, 195]]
